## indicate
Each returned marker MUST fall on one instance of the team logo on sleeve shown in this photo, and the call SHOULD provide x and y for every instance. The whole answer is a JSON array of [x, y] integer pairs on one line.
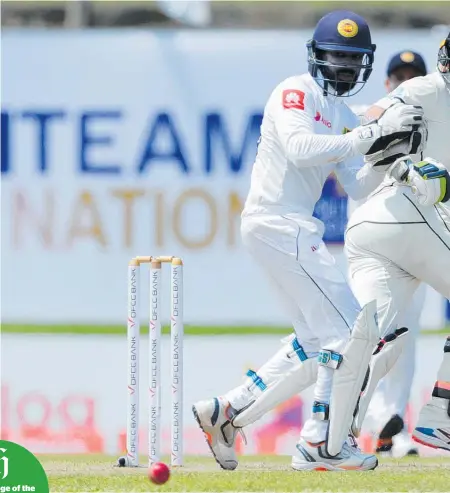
[[293, 99], [347, 28]]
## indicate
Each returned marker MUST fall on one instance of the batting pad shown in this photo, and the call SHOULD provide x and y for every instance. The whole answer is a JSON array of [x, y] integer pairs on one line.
[[299, 378], [383, 359], [349, 377]]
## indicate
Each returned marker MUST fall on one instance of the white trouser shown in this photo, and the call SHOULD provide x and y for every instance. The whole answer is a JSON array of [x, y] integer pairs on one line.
[[392, 244], [320, 302]]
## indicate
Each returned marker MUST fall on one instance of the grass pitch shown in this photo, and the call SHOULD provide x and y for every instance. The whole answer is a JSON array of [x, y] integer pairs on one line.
[[255, 474], [191, 330]]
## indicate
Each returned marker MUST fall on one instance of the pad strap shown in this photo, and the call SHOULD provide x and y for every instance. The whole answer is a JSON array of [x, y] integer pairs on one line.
[[257, 380], [320, 411], [331, 359], [298, 350], [389, 338]]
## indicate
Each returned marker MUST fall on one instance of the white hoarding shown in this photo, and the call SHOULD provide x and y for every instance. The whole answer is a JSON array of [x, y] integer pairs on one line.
[[124, 143], [68, 394]]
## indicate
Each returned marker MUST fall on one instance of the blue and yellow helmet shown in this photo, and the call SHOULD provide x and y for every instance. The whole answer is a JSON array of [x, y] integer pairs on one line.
[[341, 44], [444, 59]]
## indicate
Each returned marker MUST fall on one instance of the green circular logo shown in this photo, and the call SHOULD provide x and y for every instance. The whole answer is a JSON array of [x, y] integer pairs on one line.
[[20, 471]]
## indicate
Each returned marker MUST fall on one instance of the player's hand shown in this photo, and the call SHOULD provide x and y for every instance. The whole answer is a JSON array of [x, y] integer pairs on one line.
[[429, 181], [399, 169], [384, 160], [399, 124]]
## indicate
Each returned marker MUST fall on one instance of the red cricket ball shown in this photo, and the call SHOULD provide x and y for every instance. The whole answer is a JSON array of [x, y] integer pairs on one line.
[[158, 473]]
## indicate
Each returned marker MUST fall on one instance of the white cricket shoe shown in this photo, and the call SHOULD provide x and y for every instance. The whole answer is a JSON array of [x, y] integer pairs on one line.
[[313, 457], [433, 427], [213, 417]]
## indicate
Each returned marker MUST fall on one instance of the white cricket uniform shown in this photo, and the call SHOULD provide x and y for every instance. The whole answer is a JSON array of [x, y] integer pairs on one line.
[[301, 144], [392, 242], [394, 390]]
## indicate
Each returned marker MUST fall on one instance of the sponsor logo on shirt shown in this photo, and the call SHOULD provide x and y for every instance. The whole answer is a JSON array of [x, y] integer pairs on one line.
[[293, 99], [320, 118]]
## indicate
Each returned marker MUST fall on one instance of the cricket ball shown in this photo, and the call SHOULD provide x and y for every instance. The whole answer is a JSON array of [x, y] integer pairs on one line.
[[158, 473]]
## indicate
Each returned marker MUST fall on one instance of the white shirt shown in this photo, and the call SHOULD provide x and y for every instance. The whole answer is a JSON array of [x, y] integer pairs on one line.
[[301, 143], [433, 94]]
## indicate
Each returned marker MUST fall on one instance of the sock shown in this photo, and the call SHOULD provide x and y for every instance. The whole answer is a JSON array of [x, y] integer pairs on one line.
[[239, 397], [322, 389], [315, 430]]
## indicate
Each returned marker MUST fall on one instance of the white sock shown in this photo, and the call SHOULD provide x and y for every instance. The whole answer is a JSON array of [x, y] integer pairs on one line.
[[324, 384], [239, 397], [315, 430]]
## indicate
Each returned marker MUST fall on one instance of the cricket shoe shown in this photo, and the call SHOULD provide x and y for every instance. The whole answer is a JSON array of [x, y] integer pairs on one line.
[[433, 427], [213, 416], [392, 428], [313, 457]]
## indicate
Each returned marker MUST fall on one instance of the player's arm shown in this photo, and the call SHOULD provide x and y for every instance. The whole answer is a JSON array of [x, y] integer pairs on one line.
[[418, 91], [294, 121], [358, 179]]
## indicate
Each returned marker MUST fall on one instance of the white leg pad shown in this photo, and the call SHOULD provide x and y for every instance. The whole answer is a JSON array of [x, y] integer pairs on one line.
[[299, 378], [349, 376], [382, 361]]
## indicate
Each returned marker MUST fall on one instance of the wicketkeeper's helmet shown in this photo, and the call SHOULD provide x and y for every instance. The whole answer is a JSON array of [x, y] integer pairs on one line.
[[341, 32]]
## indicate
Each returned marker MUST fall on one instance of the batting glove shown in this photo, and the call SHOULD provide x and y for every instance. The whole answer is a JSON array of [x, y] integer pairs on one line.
[[429, 179], [430, 182]]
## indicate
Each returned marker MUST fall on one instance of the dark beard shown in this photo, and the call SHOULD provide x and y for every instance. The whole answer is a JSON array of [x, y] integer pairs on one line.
[[340, 86]]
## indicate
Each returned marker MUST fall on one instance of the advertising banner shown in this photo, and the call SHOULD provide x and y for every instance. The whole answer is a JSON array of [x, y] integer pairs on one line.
[[123, 143]]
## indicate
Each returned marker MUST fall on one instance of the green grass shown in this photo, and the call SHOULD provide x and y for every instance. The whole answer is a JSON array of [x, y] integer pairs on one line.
[[121, 329], [255, 474], [196, 330]]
